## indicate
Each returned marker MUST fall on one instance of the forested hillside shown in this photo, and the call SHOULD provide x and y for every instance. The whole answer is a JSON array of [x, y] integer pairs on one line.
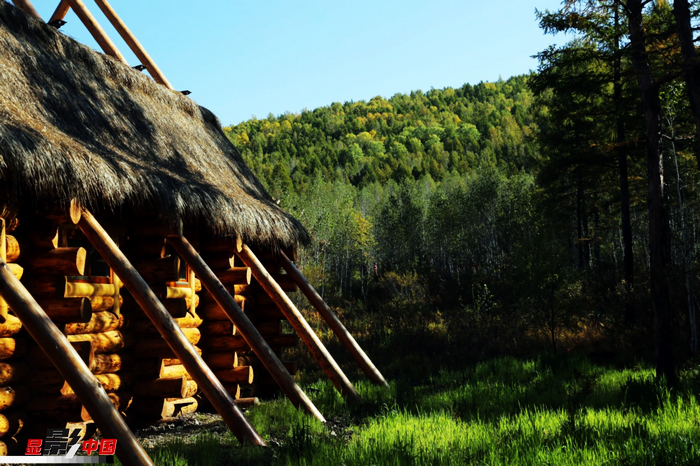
[[440, 133], [559, 207]]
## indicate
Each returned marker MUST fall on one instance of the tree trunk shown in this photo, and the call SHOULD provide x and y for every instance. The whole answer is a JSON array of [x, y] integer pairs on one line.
[[691, 65], [658, 216], [628, 258], [583, 244]]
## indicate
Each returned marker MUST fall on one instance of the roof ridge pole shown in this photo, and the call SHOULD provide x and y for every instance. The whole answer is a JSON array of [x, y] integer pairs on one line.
[[168, 329], [298, 323], [95, 29], [61, 11], [250, 334], [71, 366], [133, 43], [333, 322], [27, 7]]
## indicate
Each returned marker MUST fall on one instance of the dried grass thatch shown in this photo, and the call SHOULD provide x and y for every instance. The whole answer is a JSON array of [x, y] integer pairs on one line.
[[78, 124]]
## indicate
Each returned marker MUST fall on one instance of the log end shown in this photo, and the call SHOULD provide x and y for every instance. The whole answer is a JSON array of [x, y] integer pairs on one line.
[[80, 259], [75, 211], [190, 388]]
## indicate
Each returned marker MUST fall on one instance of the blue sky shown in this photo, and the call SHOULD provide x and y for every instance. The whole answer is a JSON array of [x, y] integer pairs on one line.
[[246, 58]]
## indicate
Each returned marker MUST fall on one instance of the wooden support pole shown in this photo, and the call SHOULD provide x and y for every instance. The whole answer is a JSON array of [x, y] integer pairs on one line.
[[133, 43], [61, 11], [96, 30], [28, 8], [333, 322], [72, 368], [299, 324], [249, 333], [169, 330]]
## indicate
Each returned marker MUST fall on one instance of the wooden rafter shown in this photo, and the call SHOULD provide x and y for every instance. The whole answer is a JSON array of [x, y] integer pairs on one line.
[[133, 43], [95, 29], [123, 31]]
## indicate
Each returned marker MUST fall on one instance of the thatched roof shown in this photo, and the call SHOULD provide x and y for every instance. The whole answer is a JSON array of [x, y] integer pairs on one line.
[[78, 124]]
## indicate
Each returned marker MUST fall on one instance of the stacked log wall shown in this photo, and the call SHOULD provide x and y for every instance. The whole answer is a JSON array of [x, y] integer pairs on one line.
[[33, 394], [164, 388], [268, 319], [120, 345], [224, 349]]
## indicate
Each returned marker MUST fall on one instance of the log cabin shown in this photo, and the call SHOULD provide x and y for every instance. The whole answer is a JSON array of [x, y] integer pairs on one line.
[[144, 267]]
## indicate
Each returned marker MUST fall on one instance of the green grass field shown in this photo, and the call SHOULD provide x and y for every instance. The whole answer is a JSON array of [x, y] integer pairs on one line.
[[504, 411]]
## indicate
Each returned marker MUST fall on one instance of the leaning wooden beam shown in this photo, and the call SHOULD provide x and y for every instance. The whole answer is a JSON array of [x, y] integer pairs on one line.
[[168, 329], [55, 345], [248, 331], [61, 11], [333, 322], [133, 43], [298, 323], [27, 6], [96, 30]]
